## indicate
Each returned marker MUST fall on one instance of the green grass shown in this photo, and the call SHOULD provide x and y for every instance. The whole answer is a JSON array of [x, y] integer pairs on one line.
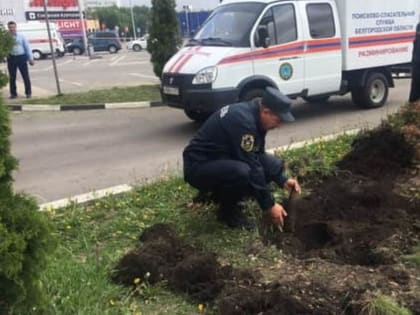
[[95, 236], [384, 305], [112, 95], [414, 257]]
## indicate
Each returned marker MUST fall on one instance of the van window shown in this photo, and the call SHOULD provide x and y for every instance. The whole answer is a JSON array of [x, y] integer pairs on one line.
[[280, 22], [229, 25], [321, 20]]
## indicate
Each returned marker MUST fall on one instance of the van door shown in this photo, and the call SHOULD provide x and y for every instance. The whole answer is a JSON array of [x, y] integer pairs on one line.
[[282, 62], [322, 48]]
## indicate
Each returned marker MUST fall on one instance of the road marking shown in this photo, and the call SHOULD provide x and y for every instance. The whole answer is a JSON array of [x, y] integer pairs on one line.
[[65, 62], [117, 60], [139, 75], [42, 69], [132, 63], [90, 62], [71, 82]]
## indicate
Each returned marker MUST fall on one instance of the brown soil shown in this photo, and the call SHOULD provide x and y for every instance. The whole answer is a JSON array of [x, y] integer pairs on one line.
[[349, 238]]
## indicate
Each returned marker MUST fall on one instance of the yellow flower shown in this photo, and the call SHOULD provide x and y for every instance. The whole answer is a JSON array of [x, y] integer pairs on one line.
[[136, 281], [137, 313], [200, 308], [68, 227], [111, 301]]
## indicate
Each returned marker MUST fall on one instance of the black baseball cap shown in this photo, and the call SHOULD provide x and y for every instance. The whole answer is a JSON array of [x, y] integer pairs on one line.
[[278, 103]]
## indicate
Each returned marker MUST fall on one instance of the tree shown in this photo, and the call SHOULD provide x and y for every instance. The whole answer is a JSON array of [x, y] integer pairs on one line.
[[164, 38], [121, 17], [25, 233]]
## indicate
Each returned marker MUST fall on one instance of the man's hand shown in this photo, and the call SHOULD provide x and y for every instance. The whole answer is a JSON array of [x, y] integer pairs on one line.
[[277, 214], [31, 62], [292, 184]]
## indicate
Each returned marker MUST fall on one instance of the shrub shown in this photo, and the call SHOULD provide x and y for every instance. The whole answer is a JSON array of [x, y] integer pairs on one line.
[[164, 36], [25, 235]]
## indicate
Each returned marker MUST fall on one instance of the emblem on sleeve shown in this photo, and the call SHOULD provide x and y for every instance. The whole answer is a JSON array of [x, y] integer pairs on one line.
[[247, 143]]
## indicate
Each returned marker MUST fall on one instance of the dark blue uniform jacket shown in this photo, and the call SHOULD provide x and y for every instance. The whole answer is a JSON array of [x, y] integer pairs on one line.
[[234, 132]]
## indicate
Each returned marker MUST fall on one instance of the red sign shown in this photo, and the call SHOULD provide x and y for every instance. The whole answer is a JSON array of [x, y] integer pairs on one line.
[[54, 3], [69, 25]]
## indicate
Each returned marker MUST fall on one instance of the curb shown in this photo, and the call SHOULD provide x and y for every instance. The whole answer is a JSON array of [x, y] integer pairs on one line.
[[83, 198], [59, 107]]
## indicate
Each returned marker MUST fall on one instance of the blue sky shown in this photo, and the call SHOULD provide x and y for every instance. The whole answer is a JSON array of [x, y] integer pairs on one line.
[[196, 4]]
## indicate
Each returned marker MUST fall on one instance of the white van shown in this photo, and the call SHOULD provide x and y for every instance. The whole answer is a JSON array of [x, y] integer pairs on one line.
[[37, 34], [305, 48]]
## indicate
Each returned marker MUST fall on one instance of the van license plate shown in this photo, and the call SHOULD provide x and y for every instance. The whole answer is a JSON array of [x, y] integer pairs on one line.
[[170, 90]]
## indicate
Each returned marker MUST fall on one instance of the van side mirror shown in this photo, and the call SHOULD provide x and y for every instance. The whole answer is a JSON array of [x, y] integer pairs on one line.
[[263, 38]]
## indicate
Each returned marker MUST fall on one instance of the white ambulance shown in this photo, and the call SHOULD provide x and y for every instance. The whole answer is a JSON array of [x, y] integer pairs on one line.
[[305, 48], [37, 34]]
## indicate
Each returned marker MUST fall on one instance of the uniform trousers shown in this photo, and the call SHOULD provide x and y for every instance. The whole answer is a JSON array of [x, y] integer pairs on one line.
[[230, 180], [18, 62]]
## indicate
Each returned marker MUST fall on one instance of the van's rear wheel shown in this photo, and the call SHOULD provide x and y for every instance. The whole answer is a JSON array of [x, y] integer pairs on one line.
[[37, 55], [375, 92]]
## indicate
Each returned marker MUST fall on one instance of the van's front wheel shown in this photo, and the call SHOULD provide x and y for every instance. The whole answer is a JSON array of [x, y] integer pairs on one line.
[[37, 55], [252, 94], [374, 93]]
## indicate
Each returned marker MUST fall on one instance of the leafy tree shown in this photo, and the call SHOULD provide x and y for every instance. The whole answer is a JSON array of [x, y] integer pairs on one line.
[[25, 233], [164, 38], [121, 17]]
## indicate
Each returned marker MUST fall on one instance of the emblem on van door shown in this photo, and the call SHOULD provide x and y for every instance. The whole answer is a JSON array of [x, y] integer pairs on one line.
[[171, 80], [286, 71]]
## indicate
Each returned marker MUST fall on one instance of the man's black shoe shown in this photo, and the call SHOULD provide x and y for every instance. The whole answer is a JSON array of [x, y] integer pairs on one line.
[[235, 218], [12, 97], [28, 96]]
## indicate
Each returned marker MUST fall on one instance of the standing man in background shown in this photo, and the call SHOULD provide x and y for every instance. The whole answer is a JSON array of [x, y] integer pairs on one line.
[[415, 69], [19, 58]]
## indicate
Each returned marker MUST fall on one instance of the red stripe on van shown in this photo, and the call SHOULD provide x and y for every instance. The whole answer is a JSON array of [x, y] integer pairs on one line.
[[378, 40]]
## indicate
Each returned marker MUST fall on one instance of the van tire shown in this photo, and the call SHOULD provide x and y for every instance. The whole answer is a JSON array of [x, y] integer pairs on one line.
[[251, 94], [112, 49], [373, 94], [37, 54]]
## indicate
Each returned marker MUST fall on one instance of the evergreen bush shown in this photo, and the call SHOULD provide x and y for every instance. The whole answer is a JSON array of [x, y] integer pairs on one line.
[[25, 233], [164, 38]]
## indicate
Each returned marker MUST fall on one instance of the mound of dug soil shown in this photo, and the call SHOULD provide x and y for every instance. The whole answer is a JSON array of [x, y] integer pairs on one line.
[[348, 242]]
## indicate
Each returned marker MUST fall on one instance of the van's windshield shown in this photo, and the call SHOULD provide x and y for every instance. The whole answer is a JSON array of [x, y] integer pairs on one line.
[[228, 25]]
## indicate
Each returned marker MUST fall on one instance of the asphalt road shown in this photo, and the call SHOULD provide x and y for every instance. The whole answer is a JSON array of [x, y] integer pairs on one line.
[[62, 154], [81, 73]]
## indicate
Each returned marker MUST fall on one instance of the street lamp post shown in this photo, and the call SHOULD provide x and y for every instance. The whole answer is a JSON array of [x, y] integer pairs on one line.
[[47, 21], [187, 8], [82, 21], [132, 20]]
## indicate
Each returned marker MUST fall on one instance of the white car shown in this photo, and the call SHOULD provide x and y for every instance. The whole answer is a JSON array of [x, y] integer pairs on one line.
[[137, 44]]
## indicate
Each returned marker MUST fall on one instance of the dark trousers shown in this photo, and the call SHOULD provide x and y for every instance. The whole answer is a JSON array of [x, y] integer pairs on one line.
[[18, 62], [415, 84], [230, 180]]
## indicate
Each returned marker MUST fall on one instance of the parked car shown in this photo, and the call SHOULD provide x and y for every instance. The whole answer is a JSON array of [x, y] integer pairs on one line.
[[137, 44], [100, 41]]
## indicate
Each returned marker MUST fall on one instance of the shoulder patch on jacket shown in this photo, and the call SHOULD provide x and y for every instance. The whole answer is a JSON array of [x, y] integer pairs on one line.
[[247, 143]]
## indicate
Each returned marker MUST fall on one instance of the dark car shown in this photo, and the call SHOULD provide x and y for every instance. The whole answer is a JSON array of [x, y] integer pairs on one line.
[[100, 41]]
